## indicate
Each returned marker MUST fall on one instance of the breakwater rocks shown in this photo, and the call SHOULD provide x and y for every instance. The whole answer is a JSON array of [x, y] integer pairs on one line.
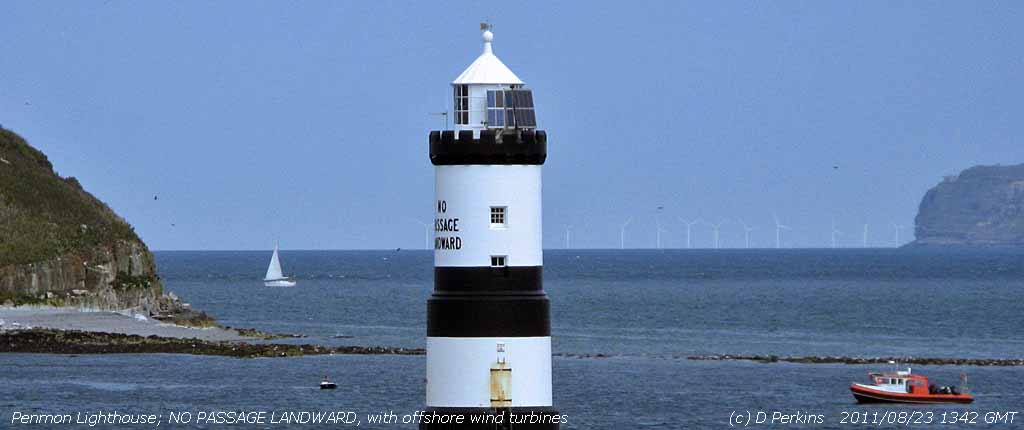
[[260, 334], [867, 360], [583, 355], [46, 341]]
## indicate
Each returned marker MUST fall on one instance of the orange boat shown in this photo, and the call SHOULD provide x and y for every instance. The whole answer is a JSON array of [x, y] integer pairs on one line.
[[903, 387]]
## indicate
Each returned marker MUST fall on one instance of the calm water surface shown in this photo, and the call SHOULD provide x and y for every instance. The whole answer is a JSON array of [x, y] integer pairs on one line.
[[645, 308]]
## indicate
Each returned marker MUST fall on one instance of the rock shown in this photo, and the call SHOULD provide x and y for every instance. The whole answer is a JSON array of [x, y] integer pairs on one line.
[[983, 205], [78, 342], [63, 246], [864, 360]]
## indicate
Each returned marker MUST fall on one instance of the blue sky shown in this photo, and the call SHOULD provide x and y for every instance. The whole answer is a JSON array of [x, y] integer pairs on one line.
[[308, 122]]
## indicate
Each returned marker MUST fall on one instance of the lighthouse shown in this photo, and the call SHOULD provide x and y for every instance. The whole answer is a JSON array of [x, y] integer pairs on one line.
[[488, 323]]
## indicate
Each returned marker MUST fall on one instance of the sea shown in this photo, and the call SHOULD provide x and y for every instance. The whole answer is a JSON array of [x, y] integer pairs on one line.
[[623, 324]]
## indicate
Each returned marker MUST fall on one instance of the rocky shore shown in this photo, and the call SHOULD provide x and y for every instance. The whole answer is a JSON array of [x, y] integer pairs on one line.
[[52, 341], [49, 341], [62, 247], [866, 360], [123, 322]]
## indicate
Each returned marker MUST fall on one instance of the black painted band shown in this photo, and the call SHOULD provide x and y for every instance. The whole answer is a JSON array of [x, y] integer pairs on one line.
[[514, 147], [488, 280], [544, 418], [488, 316]]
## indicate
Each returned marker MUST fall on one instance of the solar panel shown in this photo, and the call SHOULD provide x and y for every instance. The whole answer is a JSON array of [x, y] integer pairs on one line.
[[519, 108], [525, 118], [519, 98]]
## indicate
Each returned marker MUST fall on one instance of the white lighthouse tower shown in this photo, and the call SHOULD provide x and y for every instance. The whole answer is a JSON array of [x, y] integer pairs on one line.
[[488, 324]]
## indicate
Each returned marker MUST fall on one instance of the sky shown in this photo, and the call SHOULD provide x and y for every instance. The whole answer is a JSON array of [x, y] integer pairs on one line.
[[308, 122]]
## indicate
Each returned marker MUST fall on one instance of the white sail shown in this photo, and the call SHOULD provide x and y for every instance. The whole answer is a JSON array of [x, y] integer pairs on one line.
[[274, 270]]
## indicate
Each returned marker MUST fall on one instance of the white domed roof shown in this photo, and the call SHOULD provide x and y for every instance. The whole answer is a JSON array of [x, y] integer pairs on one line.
[[487, 69]]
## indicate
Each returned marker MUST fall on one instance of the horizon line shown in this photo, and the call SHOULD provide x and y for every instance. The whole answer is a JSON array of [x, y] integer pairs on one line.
[[545, 249]]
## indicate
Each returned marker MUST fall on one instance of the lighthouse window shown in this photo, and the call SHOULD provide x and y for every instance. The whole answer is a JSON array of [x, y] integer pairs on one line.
[[497, 216], [497, 261], [496, 108], [462, 104]]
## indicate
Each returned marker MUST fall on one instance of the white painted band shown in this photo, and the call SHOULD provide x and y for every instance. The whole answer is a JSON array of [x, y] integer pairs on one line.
[[458, 370], [465, 195]]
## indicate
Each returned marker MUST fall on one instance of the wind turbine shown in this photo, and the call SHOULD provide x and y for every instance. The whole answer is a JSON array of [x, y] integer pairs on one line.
[[864, 238], [778, 231], [834, 233], [746, 232], [568, 235], [622, 233], [716, 228], [660, 231], [657, 222], [897, 228], [689, 224], [426, 232]]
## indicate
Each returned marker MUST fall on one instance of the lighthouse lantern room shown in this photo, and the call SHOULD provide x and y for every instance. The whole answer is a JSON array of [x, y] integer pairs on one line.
[[487, 95], [488, 323]]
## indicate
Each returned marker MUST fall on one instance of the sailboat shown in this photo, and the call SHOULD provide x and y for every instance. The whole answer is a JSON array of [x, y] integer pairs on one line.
[[274, 276]]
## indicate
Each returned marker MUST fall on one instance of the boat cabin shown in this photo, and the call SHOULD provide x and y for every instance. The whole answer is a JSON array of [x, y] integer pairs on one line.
[[901, 381]]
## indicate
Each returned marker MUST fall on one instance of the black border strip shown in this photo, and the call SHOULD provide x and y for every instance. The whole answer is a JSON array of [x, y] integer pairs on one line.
[[489, 280], [488, 316], [526, 147]]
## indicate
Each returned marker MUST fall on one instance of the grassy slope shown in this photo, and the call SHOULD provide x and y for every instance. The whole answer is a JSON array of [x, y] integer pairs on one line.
[[43, 215]]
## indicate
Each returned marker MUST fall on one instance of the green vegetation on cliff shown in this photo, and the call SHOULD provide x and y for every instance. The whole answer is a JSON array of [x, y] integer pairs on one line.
[[60, 246], [44, 216]]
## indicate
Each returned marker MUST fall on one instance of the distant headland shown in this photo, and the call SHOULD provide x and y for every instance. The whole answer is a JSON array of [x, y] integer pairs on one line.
[[982, 206], [63, 247], [76, 279]]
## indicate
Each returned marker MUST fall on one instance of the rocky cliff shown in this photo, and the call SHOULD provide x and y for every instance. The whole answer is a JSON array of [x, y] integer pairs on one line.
[[61, 246], [983, 205]]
